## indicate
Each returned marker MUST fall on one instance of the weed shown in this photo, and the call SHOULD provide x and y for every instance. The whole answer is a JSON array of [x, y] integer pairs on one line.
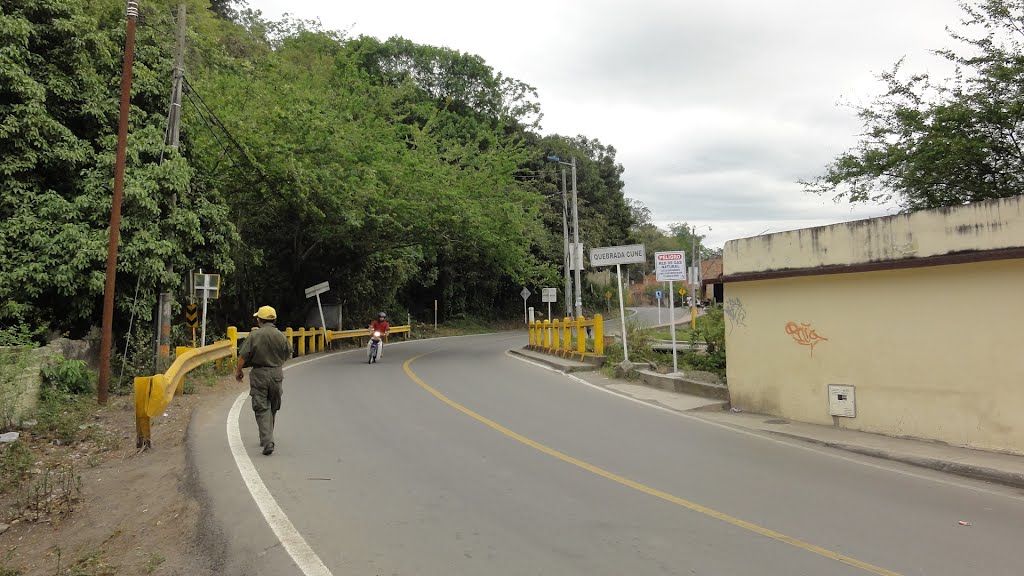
[[15, 464], [13, 385], [53, 493], [154, 562], [93, 563], [61, 415], [6, 571], [69, 376]]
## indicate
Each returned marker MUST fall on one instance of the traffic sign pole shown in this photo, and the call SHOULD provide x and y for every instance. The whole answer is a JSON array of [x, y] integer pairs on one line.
[[622, 312], [672, 321]]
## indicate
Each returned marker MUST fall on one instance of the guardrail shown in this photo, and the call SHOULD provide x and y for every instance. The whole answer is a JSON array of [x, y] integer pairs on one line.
[[154, 393], [569, 338]]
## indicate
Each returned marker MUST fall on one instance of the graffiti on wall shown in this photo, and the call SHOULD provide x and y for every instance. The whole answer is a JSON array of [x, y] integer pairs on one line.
[[804, 335], [735, 311]]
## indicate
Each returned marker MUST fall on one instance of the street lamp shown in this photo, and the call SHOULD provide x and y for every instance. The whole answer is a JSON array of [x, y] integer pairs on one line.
[[575, 232]]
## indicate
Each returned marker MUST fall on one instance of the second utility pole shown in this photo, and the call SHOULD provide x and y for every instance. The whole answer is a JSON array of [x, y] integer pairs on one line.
[[577, 255], [163, 339]]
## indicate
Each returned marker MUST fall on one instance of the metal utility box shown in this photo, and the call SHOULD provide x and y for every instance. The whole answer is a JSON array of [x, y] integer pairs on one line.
[[842, 401]]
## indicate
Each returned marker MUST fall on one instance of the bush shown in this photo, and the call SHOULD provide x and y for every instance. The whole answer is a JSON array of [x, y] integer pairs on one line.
[[68, 376]]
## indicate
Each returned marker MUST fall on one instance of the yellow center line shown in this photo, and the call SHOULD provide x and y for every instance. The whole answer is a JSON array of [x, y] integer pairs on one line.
[[796, 542]]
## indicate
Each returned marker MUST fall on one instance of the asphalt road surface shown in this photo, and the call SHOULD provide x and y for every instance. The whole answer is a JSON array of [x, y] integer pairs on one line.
[[451, 457]]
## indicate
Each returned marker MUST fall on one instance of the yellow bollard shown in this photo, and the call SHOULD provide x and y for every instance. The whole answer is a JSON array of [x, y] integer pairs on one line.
[[555, 324], [290, 335], [566, 335], [531, 329], [599, 335], [547, 333], [302, 342], [233, 336]]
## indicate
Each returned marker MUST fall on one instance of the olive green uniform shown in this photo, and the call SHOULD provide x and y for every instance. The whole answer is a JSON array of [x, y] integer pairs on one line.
[[266, 350]]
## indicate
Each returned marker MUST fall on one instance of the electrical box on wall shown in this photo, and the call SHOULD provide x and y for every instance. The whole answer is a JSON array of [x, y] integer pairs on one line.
[[842, 401]]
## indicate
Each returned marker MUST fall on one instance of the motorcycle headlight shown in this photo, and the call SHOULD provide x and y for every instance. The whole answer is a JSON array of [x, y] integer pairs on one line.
[[376, 334]]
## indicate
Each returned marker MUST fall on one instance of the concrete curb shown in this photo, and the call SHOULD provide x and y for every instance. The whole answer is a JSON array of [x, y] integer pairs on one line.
[[956, 468], [554, 362], [684, 385]]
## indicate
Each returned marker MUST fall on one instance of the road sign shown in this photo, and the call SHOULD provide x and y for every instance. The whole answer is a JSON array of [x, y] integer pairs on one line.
[[608, 295], [525, 294], [657, 294], [318, 289], [682, 291], [670, 266], [192, 315], [549, 294], [613, 255], [209, 285]]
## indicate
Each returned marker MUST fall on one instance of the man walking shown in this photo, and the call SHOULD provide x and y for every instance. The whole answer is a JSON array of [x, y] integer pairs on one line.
[[265, 350]]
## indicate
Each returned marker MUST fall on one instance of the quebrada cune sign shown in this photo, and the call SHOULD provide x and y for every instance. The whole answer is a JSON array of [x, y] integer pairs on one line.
[[612, 255]]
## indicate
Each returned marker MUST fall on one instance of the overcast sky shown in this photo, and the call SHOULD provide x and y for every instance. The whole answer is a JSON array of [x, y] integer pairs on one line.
[[715, 108]]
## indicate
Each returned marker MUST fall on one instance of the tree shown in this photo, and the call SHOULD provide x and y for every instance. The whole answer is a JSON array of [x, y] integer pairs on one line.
[[928, 144]]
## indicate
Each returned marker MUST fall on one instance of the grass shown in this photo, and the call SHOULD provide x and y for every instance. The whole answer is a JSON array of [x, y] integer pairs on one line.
[[15, 465], [154, 562], [682, 333]]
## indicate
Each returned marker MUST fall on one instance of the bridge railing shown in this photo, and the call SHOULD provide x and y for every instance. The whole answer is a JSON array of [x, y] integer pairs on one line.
[[569, 338], [154, 393]]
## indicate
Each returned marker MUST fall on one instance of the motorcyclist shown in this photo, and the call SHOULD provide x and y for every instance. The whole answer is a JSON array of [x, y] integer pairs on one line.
[[380, 324]]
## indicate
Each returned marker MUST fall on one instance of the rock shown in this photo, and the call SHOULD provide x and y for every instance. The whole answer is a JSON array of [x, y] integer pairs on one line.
[[623, 369], [4, 528], [29, 424], [9, 437]]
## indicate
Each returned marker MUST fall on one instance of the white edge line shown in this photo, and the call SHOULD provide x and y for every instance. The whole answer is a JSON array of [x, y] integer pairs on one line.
[[302, 554], [765, 436]]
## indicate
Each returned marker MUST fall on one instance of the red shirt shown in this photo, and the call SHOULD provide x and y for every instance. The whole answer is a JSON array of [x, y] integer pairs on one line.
[[381, 326]]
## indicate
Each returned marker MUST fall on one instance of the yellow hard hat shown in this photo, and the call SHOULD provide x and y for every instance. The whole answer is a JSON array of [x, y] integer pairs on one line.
[[266, 313]]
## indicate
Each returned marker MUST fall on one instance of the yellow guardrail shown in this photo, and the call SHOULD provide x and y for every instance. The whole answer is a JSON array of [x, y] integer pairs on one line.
[[568, 338], [154, 393]]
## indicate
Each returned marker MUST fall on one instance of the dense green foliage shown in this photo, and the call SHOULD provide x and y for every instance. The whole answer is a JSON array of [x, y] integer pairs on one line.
[[931, 144], [401, 173]]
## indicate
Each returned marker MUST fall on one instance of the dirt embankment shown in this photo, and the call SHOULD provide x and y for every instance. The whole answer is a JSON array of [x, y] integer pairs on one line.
[[90, 504]]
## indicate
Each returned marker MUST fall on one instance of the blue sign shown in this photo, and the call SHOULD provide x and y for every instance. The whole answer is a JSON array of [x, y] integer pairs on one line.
[[657, 294]]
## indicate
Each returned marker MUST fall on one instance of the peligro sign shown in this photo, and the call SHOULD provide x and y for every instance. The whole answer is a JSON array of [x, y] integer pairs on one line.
[[670, 266], [612, 255]]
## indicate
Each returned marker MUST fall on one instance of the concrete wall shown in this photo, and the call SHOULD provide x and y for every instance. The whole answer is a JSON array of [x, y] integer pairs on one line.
[[980, 226], [934, 352]]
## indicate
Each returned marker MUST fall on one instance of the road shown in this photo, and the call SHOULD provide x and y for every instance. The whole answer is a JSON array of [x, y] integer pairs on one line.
[[646, 316], [451, 457]]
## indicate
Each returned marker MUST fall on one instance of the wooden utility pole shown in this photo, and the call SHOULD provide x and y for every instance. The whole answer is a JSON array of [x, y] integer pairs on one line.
[[106, 339], [163, 339]]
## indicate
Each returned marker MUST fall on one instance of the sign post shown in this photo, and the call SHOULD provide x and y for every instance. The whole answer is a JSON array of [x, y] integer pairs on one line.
[[210, 285], [671, 266], [619, 255], [435, 315], [549, 295], [526, 313], [317, 291]]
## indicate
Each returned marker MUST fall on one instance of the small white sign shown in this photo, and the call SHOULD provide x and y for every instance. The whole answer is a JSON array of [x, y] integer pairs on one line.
[[670, 266], [525, 294], [318, 289], [657, 294], [549, 294], [612, 255]]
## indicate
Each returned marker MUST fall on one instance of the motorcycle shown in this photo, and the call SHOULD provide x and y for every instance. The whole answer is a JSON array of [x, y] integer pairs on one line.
[[373, 349]]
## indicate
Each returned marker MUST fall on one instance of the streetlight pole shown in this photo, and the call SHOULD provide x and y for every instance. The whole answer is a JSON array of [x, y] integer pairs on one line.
[[576, 237], [567, 257]]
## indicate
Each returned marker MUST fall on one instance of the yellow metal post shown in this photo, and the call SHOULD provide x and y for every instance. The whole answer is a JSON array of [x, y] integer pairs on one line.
[[302, 342], [233, 336], [547, 333], [567, 324], [178, 351], [290, 335], [599, 335], [142, 438], [581, 337]]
